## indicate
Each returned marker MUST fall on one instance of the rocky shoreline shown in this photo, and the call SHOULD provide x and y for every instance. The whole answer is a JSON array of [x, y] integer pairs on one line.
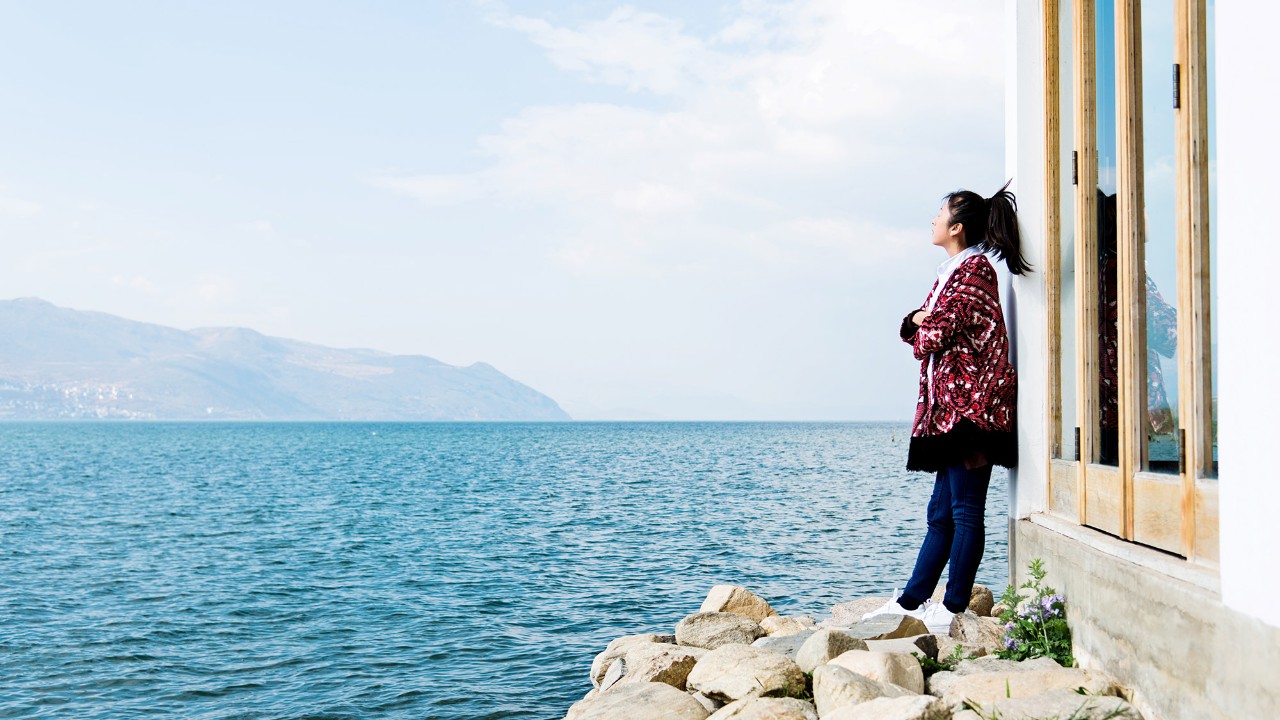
[[738, 659]]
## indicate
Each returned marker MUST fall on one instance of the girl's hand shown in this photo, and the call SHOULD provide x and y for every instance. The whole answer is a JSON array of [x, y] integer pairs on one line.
[[919, 317]]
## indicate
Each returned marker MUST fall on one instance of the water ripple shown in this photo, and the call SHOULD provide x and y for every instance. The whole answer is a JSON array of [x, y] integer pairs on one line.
[[242, 571]]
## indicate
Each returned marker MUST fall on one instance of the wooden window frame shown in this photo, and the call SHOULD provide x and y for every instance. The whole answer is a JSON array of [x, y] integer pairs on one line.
[[1177, 513]]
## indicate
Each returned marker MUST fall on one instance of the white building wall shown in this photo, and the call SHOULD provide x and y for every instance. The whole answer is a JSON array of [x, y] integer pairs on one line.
[[1248, 230], [1024, 162]]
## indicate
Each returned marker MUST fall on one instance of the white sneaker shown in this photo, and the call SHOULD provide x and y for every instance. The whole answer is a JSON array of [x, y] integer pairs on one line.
[[893, 608], [936, 617]]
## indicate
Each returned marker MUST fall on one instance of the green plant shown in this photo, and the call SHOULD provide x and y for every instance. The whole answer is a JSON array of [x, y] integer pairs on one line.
[[1084, 712], [1035, 624], [931, 666]]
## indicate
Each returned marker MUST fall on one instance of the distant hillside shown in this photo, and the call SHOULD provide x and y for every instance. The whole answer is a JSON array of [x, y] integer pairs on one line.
[[58, 363]]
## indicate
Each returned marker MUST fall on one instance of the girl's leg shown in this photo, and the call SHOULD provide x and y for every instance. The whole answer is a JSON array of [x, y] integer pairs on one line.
[[968, 493], [937, 546]]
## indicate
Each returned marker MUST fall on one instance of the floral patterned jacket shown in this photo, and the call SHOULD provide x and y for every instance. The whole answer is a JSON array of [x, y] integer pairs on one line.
[[972, 377]]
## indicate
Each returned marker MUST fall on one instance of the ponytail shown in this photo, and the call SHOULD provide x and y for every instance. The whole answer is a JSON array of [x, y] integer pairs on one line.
[[996, 224]]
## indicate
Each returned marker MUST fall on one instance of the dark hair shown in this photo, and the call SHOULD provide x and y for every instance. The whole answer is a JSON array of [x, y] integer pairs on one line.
[[992, 224]]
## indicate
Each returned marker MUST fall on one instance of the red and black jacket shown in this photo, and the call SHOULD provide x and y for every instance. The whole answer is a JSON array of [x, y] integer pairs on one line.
[[970, 402]]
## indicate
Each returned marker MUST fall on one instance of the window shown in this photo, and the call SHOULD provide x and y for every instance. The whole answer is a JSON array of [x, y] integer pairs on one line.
[[1129, 276]]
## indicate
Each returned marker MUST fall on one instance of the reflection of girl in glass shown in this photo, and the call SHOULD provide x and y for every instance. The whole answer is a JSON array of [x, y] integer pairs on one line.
[[1162, 340], [964, 422]]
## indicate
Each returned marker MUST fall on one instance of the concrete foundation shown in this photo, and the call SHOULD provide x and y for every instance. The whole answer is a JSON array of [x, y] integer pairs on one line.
[[1155, 622]]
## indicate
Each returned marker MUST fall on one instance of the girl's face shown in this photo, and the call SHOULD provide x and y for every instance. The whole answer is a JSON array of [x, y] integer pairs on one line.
[[942, 227]]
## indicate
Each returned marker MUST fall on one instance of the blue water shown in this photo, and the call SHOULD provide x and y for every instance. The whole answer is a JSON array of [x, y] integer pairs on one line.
[[415, 570]]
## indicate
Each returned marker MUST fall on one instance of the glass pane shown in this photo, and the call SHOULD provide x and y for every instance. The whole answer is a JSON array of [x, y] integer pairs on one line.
[[1160, 189], [1108, 368], [1213, 238], [1065, 448]]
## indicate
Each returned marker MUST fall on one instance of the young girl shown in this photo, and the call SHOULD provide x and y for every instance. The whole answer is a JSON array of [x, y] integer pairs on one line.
[[968, 395]]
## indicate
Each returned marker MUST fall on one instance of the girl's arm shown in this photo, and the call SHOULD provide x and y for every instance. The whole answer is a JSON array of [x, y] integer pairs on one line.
[[909, 325], [972, 294]]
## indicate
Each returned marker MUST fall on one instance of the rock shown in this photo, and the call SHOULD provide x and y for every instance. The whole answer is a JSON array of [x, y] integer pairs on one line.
[[737, 600], [981, 599], [616, 649], [824, 645], [767, 709], [995, 664], [713, 629], [1061, 703], [850, 613], [926, 645], [658, 662], [710, 704], [835, 687], [896, 668], [616, 670], [788, 645], [947, 646], [575, 710], [985, 688], [777, 625], [885, 627], [983, 632], [733, 672], [910, 707], [640, 701]]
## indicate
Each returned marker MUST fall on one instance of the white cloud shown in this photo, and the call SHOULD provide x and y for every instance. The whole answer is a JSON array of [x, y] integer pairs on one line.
[[136, 282], [214, 289], [18, 208], [727, 128], [433, 189]]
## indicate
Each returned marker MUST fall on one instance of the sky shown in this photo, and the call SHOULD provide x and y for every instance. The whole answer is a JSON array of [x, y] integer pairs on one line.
[[655, 211]]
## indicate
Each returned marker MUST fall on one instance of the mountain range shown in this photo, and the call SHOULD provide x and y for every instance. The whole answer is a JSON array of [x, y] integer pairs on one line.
[[57, 363]]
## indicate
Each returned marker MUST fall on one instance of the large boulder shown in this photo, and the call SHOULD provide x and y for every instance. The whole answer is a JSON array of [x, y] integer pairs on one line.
[[924, 645], [895, 668], [835, 686], [885, 627], [710, 630], [788, 645], [984, 688], [575, 710], [640, 701], [616, 649], [990, 663], [766, 708], [778, 625], [733, 672], [947, 648], [659, 662], [737, 600], [823, 645], [909, 707], [981, 599], [710, 704], [975, 631], [1061, 703], [850, 613]]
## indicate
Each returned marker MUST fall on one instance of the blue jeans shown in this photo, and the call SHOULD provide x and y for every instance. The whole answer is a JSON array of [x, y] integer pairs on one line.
[[957, 533]]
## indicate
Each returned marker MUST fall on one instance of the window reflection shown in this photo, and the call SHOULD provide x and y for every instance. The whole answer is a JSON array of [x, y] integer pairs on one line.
[[1160, 236], [1108, 375]]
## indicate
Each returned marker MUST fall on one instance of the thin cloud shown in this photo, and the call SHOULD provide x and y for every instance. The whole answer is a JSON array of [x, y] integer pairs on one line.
[[724, 127]]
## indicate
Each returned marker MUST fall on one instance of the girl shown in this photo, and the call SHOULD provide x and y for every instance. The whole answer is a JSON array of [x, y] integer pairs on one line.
[[968, 394]]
